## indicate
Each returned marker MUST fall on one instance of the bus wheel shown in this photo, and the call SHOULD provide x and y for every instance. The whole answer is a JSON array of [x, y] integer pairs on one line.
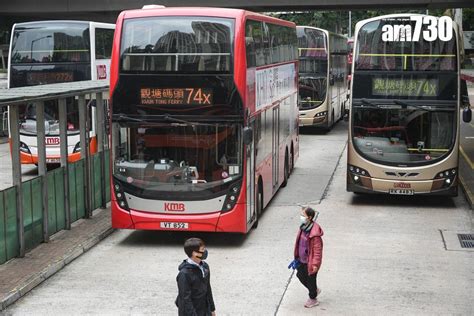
[[286, 172], [259, 207], [330, 122], [292, 165]]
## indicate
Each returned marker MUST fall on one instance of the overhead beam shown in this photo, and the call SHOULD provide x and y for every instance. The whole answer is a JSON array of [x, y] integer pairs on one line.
[[74, 6]]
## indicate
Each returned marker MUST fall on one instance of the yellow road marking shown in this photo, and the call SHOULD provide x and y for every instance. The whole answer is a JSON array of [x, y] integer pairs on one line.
[[463, 153]]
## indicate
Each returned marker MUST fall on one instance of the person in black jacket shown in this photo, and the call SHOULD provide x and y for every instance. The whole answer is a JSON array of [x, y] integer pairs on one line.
[[194, 285]]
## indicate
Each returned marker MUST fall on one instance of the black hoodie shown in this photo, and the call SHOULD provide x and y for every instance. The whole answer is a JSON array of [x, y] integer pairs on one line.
[[194, 290]]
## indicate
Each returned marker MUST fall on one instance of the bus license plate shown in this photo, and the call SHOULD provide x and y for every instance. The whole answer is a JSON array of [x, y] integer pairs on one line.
[[401, 191], [53, 160], [171, 225]]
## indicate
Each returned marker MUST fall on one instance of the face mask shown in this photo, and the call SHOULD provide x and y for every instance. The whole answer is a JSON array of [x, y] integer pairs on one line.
[[203, 254], [302, 220]]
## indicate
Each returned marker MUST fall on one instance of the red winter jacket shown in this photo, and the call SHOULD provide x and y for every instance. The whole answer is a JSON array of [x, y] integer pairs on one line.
[[315, 247]]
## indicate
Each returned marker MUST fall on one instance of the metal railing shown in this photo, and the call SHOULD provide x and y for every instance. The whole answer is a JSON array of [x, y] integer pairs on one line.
[[74, 189]]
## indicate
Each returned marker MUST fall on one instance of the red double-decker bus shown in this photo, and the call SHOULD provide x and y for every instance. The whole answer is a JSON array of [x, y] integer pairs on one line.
[[204, 115]]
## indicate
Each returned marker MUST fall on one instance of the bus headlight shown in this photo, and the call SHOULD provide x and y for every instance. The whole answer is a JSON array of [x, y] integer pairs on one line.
[[122, 202], [448, 176], [232, 197], [358, 171], [77, 148], [24, 148]]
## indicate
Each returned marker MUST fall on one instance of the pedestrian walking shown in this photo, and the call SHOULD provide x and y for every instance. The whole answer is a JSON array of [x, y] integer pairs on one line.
[[194, 285], [308, 254]]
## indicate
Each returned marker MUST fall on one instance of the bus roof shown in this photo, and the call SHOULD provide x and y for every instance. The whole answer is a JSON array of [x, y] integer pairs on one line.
[[328, 33], [61, 22], [397, 15], [202, 11]]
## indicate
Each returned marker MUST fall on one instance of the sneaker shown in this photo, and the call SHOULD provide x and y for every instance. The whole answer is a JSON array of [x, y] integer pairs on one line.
[[311, 302], [318, 291]]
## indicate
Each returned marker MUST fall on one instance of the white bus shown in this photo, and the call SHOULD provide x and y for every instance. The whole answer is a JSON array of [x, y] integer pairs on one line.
[[47, 52], [322, 77]]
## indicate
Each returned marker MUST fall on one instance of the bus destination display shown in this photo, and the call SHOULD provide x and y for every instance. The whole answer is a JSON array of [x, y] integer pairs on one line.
[[406, 87], [172, 96]]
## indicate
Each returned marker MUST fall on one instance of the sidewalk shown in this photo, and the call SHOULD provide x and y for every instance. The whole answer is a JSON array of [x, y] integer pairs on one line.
[[388, 256], [21, 275]]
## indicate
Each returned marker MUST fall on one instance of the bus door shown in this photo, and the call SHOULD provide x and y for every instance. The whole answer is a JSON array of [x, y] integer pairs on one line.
[[275, 143], [250, 150]]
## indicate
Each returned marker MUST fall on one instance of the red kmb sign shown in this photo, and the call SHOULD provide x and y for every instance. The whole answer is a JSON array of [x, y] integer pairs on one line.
[[174, 207]]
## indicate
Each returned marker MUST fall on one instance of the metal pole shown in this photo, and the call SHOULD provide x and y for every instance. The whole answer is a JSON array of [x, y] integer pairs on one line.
[[16, 174], [84, 135], [41, 136], [62, 107], [101, 137]]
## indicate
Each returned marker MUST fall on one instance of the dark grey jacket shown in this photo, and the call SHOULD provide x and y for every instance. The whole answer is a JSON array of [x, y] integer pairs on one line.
[[194, 290]]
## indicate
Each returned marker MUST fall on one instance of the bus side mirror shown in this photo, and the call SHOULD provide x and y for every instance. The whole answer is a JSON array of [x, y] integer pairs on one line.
[[248, 135], [331, 80], [467, 115]]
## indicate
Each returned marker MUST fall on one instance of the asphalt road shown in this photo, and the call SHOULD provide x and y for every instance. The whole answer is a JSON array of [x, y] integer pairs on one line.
[[383, 255]]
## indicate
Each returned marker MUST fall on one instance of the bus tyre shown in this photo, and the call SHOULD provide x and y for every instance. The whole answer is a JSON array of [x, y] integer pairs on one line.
[[286, 172], [258, 211], [330, 122], [292, 162]]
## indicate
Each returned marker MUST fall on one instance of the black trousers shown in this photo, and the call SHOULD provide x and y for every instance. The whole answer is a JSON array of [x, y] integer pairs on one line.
[[309, 281]]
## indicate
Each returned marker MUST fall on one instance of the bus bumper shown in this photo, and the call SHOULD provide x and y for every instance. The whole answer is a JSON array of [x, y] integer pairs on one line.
[[313, 121], [231, 221], [383, 186], [26, 158]]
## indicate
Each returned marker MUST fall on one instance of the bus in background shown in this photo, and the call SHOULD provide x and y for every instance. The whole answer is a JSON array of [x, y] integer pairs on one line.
[[350, 47], [322, 77], [404, 120], [204, 117], [47, 52]]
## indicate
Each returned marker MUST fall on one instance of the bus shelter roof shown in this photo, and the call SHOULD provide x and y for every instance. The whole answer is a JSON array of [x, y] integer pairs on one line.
[[51, 91]]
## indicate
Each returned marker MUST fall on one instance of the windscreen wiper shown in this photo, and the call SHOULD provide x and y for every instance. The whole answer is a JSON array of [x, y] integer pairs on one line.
[[169, 118], [406, 104], [123, 117], [431, 108], [366, 104]]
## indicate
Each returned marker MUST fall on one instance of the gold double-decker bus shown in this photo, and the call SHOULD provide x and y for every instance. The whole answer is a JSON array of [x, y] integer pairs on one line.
[[405, 107], [322, 77]]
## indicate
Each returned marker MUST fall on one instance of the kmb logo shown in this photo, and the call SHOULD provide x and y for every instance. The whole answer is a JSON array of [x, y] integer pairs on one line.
[[402, 185], [175, 207], [52, 140]]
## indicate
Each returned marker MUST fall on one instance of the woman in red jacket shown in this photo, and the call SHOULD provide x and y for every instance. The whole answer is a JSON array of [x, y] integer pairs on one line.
[[309, 252]]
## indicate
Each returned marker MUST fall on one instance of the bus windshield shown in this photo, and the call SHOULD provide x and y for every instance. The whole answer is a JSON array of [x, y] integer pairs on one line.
[[313, 67], [403, 135], [175, 158], [177, 44], [372, 53], [51, 43], [51, 119], [404, 96]]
